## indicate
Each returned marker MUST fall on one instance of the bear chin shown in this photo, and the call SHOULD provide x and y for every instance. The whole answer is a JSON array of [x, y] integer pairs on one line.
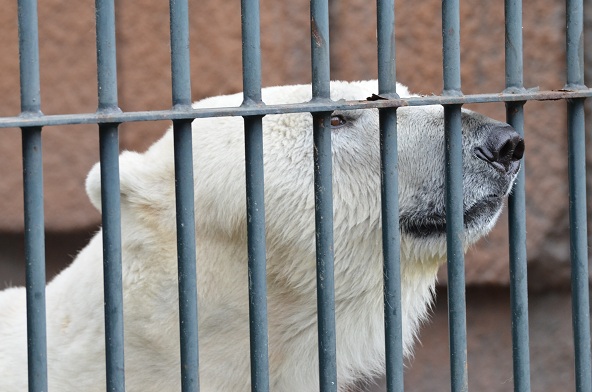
[[476, 218]]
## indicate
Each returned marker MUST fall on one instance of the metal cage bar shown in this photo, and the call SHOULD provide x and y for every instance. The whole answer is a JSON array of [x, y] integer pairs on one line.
[[323, 188], [454, 198], [313, 107], [577, 196], [184, 197], [251, 56], [110, 196], [391, 241], [33, 197], [516, 202]]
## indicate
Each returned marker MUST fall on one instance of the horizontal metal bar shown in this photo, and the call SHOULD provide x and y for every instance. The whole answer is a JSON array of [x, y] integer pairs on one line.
[[262, 110]]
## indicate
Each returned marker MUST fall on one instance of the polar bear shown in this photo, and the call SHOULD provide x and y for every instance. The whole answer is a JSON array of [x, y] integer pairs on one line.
[[491, 152]]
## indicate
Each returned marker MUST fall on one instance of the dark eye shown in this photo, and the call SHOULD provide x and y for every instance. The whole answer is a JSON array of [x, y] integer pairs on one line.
[[337, 121]]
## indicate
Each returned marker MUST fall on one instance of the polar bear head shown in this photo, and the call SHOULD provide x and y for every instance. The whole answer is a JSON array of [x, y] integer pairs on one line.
[[491, 153]]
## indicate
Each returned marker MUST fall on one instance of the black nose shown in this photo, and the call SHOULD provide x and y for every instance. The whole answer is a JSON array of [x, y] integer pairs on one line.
[[503, 149]]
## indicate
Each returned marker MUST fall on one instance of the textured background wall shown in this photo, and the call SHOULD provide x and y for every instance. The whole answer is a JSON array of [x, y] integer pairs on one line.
[[68, 85]]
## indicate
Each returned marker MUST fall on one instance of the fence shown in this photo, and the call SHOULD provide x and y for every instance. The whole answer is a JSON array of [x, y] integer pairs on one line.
[[108, 117]]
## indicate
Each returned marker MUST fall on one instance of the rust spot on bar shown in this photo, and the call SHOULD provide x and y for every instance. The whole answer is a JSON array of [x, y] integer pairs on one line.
[[314, 30]]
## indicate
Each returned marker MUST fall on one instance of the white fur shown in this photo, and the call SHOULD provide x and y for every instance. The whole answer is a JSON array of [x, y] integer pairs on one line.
[[75, 297]]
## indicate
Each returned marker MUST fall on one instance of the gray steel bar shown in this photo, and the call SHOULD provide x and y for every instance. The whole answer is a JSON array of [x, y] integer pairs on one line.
[[325, 253], [319, 24], [387, 86], [180, 63], [513, 47], [518, 265], [579, 245], [29, 57], [454, 198], [110, 196], [516, 203], [186, 255], [106, 58], [257, 254], [455, 251], [313, 107], [387, 68], [35, 259], [251, 56], [391, 248], [577, 197], [319, 30], [575, 44], [111, 219], [33, 197], [184, 197], [451, 46]]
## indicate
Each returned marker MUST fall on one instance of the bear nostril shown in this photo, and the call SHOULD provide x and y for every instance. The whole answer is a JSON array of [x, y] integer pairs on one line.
[[502, 148], [518, 150]]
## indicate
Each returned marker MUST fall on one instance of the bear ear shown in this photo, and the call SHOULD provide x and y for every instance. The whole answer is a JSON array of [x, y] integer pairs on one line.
[[93, 185], [130, 174]]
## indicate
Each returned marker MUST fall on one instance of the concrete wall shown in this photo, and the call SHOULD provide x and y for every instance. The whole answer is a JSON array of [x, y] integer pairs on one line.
[[68, 85]]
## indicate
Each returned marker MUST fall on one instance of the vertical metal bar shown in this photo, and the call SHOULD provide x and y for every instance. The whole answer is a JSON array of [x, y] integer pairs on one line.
[[513, 47], [251, 56], [319, 29], [110, 197], [577, 197], [319, 23], [109, 154], [454, 198], [454, 238], [451, 46], [518, 265], [33, 197], [35, 258], [578, 242], [106, 56], [516, 203], [325, 252], [186, 255], [184, 197], [29, 57], [391, 242]]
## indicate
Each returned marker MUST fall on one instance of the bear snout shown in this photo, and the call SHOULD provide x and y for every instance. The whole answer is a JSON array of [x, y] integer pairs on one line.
[[503, 148]]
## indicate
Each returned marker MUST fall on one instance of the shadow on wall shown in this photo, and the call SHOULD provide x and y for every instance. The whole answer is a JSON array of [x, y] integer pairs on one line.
[[489, 341], [61, 248]]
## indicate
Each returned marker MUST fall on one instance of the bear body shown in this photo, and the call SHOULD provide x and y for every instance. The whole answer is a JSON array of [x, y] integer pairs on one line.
[[75, 321]]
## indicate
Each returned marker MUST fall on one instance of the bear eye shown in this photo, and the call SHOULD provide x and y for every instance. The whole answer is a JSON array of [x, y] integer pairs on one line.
[[338, 120]]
